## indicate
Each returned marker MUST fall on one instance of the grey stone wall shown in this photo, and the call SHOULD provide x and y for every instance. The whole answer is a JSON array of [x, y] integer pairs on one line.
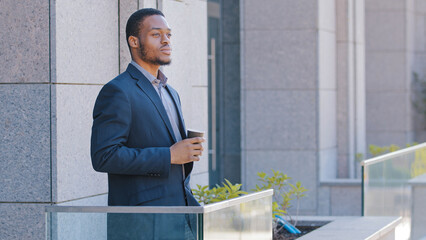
[[340, 197], [350, 71], [24, 42], [289, 92], [395, 52], [25, 137], [327, 91], [86, 57], [389, 55], [344, 54], [56, 56], [418, 67], [126, 8], [303, 97]]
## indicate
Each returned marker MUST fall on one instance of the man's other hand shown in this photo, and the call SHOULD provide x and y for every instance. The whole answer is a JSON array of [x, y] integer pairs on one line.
[[187, 150]]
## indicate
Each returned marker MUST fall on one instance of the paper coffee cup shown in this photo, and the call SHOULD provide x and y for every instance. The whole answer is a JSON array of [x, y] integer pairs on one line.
[[191, 133]]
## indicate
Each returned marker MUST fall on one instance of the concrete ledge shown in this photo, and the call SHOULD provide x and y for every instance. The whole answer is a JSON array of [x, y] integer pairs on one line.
[[340, 197], [349, 228], [340, 182]]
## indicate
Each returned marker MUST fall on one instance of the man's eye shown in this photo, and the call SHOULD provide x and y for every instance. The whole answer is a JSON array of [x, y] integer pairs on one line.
[[169, 35], [156, 34]]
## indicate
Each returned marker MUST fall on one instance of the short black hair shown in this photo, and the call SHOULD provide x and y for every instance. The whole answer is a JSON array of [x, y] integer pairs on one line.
[[134, 23]]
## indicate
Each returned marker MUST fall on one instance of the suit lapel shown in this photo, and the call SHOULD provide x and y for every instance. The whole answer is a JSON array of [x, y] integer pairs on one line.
[[176, 101], [146, 86]]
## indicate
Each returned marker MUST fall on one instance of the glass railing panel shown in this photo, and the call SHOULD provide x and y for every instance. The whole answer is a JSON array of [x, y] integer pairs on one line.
[[250, 220], [246, 217], [392, 186], [76, 226], [118, 226]]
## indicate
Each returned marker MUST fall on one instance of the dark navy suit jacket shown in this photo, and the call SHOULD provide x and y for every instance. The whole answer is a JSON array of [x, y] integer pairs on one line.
[[131, 139]]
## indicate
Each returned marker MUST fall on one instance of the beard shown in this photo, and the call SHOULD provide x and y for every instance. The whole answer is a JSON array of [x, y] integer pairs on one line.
[[149, 57]]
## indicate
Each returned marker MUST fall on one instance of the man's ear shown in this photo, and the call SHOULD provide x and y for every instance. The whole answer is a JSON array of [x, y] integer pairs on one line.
[[133, 41]]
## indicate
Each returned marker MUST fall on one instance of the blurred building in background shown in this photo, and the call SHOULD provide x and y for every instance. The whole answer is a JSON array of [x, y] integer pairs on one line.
[[300, 86]]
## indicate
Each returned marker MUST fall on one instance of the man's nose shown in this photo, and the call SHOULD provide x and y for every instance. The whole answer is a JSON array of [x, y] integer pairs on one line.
[[165, 39]]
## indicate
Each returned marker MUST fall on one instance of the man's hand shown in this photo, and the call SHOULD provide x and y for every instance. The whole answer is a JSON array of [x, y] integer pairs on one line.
[[187, 150]]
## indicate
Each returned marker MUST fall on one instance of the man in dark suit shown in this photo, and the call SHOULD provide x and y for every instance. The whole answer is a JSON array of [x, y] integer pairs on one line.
[[138, 133]]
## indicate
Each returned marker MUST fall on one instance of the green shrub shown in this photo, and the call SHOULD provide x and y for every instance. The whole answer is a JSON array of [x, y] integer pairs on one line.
[[284, 191], [219, 193]]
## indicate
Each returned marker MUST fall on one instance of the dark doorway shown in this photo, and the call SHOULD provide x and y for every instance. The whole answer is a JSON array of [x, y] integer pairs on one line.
[[224, 91]]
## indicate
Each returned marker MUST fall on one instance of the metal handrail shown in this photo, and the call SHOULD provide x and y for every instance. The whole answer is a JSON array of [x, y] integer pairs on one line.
[[162, 209], [392, 155]]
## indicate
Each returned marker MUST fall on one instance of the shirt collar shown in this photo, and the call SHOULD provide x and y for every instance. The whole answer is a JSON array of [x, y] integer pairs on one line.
[[162, 79]]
